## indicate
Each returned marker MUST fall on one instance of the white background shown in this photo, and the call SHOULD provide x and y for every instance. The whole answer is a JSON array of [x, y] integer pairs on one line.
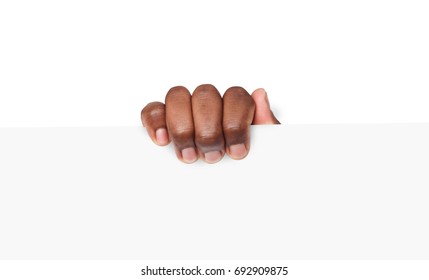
[[89, 62], [353, 192]]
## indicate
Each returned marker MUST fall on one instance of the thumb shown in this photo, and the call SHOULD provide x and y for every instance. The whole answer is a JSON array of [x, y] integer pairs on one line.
[[263, 113]]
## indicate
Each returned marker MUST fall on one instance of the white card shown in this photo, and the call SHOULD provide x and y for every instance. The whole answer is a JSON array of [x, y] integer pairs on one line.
[[304, 192]]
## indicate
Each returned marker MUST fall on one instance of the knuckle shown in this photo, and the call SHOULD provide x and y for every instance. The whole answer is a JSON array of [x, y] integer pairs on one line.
[[153, 110], [238, 95], [177, 91], [182, 134], [234, 128], [209, 138], [205, 89], [235, 91], [235, 134]]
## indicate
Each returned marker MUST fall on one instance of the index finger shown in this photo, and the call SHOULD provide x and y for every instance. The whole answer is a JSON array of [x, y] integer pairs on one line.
[[238, 111]]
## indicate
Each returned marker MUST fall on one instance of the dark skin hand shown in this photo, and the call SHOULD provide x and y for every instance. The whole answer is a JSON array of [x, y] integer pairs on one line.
[[205, 125]]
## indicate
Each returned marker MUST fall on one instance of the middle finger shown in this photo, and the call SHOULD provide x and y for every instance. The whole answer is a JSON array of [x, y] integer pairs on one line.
[[207, 115]]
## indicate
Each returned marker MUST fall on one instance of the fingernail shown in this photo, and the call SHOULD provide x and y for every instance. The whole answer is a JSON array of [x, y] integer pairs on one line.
[[161, 136], [212, 157], [189, 155], [237, 151]]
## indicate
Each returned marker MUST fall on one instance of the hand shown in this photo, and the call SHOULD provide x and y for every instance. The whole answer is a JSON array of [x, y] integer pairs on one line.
[[205, 125]]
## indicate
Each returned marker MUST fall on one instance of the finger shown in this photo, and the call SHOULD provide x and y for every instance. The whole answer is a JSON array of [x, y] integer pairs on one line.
[[238, 111], [153, 118], [207, 114], [263, 113], [180, 124]]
